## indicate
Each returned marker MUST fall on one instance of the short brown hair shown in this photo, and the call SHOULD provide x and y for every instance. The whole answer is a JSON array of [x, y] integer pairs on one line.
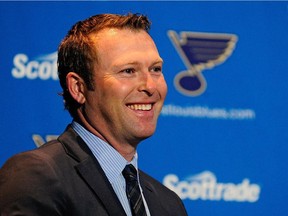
[[76, 52]]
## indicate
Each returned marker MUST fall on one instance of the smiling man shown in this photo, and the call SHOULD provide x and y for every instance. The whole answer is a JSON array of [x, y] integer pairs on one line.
[[114, 88]]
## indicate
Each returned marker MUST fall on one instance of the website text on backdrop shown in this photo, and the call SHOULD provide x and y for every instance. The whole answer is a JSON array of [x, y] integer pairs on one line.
[[113, 87]]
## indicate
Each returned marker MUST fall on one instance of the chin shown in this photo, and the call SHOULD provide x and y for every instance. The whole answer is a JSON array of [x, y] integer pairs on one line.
[[145, 136]]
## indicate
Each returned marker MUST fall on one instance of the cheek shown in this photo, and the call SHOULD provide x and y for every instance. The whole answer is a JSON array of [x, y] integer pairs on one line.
[[117, 89], [162, 86]]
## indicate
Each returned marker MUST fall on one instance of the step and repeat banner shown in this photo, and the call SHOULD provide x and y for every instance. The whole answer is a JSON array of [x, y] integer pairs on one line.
[[222, 137]]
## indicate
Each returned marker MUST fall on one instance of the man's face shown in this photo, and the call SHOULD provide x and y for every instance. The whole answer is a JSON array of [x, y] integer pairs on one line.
[[129, 86]]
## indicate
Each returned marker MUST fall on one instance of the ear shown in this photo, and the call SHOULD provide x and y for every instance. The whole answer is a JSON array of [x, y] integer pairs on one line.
[[76, 87]]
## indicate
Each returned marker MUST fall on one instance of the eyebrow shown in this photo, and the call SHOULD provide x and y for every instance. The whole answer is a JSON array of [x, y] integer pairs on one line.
[[160, 60]]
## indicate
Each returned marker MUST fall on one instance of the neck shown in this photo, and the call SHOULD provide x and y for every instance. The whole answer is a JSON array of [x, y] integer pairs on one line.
[[125, 149]]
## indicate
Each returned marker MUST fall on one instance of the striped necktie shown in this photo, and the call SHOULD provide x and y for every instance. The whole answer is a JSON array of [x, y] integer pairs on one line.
[[133, 191]]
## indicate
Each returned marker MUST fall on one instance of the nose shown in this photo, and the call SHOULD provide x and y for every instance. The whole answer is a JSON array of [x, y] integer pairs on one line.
[[148, 83]]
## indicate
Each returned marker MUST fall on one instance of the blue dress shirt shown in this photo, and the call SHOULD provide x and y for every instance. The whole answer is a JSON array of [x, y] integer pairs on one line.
[[112, 162]]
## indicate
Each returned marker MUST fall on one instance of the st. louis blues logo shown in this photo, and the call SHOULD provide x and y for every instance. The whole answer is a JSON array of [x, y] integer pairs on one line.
[[199, 51]]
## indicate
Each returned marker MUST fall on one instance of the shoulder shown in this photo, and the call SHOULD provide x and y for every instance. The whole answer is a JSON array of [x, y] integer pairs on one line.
[[36, 155], [31, 166], [28, 179], [33, 158]]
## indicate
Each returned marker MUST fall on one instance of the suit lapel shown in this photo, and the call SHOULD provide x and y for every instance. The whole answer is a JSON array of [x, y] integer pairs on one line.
[[91, 171], [152, 198], [88, 169]]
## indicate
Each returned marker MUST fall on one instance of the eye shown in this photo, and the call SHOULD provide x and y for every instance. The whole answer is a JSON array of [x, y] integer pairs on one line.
[[128, 70], [157, 69]]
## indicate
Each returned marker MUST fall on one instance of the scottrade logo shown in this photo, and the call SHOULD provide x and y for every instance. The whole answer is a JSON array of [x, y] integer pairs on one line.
[[199, 51], [204, 186], [43, 67]]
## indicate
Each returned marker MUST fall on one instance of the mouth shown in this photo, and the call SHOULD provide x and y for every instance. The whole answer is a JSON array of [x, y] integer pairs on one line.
[[141, 107]]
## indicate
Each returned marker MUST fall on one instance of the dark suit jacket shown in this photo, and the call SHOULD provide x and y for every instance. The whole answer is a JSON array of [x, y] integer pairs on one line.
[[63, 178]]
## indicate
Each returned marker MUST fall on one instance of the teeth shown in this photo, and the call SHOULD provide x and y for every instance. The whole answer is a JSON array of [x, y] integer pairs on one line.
[[140, 106]]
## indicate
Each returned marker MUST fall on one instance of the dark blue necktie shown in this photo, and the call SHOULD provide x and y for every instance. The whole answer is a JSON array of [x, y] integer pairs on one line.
[[133, 191]]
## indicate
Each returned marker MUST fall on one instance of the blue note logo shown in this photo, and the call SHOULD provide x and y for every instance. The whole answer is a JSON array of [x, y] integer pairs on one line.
[[199, 51], [40, 140]]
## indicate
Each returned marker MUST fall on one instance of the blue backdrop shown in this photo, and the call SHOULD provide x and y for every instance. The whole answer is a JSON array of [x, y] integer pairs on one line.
[[223, 150]]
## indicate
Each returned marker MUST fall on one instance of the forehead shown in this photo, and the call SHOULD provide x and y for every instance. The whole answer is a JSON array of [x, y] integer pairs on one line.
[[123, 44], [115, 35]]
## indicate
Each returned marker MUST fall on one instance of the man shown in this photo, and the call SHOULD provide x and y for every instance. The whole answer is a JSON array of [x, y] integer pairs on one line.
[[114, 88]]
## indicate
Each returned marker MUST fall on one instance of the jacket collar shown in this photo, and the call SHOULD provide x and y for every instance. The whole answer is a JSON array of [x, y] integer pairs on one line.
[[152, 198], [90, 170]]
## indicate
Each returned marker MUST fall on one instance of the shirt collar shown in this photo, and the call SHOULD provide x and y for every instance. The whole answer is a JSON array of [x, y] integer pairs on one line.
[[111, 161]]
